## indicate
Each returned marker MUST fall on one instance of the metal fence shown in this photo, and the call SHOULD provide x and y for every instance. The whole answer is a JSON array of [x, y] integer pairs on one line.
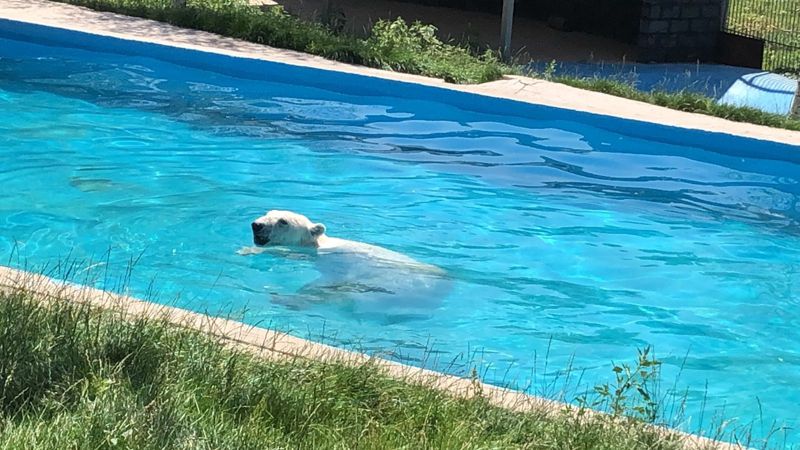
[[776, 22]]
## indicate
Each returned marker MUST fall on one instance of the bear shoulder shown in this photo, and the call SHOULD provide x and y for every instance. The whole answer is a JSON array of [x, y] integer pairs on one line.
[[380, 255]]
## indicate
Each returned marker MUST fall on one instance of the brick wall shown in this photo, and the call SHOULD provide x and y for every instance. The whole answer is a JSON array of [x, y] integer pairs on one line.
[[679, 30]]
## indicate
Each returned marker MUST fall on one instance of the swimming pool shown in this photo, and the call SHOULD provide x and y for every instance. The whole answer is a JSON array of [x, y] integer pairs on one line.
[[563, 233]]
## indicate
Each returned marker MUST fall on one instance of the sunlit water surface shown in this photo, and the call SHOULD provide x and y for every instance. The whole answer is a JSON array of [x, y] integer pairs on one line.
[[562, 240]]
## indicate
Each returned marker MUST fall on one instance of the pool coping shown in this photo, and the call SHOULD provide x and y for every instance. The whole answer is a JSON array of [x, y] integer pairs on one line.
[[516, 88], [271, 344]]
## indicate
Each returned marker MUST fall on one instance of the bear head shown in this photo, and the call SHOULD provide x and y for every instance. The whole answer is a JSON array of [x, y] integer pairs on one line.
[[286, 228]]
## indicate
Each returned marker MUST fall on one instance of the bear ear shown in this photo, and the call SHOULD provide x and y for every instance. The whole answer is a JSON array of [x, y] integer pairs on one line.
[[318, 230]]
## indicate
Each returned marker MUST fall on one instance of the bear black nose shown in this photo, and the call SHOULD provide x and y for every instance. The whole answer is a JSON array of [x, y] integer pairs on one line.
[[257, 227]]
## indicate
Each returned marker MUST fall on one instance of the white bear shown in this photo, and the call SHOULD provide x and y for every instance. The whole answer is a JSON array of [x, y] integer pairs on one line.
[[373, 278]]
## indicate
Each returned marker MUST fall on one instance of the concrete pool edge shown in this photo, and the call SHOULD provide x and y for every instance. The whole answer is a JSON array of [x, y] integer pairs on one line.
[[542, 97], [270, 344]]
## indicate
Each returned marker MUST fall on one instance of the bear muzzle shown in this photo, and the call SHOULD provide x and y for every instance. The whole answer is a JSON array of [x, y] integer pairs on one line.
[[260, 233]]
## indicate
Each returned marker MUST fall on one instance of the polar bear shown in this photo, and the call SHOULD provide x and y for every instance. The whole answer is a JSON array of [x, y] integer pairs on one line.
[[370, 278]]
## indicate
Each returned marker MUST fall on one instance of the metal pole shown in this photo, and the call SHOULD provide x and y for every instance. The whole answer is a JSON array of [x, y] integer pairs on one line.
[[506, 23]]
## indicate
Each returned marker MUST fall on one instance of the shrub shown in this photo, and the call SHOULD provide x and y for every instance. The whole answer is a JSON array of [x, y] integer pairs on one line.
[[392, 45]]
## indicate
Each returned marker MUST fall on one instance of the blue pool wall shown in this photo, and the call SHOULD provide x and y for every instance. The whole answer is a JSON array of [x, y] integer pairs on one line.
[[363, 85]]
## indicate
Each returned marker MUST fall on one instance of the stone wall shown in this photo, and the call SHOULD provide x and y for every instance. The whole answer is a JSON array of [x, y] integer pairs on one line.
[[679, 30]]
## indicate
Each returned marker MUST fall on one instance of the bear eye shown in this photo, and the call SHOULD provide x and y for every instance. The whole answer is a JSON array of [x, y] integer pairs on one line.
[[282, 222]]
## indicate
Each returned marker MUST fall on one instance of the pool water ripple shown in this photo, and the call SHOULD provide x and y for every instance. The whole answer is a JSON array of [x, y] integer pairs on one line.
[[560, 238]]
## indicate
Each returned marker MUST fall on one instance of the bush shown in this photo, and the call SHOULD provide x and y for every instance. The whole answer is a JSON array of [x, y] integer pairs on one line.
[[394, 45]]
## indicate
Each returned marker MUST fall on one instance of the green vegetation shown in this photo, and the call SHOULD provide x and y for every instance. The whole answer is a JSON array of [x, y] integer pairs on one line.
[[777, 21], [683, 101], [76, 377], [390, 45]]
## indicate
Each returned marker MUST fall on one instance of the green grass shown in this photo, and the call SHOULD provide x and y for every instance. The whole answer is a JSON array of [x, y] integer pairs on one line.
[[682, 101], [390, 45], [777, 21], [74, 377]]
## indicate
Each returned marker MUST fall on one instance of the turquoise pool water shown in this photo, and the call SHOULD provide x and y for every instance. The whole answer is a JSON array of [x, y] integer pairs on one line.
[[562, 239]]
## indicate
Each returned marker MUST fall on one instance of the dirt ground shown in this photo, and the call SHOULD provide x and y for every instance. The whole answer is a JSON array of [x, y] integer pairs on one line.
[[531, 39]]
